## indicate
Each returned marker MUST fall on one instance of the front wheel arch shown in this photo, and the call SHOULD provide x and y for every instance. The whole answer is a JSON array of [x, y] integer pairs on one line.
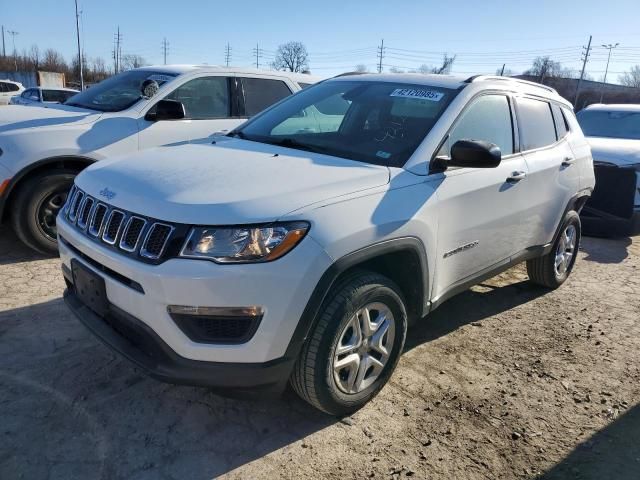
[[67, 162]]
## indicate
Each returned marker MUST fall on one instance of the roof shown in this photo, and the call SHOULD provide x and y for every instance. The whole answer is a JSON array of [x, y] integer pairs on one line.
[[457, 81], [445, 81], [615, 107], [181, 69]]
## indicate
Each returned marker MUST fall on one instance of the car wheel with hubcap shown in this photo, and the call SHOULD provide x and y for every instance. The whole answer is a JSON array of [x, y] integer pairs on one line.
[[355, 345], [35, 207], [553, 269]]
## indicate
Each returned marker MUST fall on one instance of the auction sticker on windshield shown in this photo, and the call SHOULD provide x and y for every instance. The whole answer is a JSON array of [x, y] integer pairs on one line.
[[417, 93]]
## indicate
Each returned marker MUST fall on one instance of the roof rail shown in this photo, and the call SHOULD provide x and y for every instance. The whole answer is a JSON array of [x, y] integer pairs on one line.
[[509, 79], [346, 74]]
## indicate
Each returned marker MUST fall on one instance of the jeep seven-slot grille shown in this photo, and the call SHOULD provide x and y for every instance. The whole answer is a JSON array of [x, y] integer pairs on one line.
[[127, 232]]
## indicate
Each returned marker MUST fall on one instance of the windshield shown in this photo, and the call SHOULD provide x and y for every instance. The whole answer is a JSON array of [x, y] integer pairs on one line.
[[119, 92], [612, 124], [374, 122]]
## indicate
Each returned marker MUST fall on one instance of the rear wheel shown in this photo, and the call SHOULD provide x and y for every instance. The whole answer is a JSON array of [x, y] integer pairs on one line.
[[35, 207], [355, 346], [553, 269]]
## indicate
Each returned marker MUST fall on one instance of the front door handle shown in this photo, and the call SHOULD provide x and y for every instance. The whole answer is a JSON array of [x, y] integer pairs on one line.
[[568, 161], [516, 176]]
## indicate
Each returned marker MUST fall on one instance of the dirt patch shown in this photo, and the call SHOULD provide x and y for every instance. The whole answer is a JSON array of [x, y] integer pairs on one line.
[[504, 381]]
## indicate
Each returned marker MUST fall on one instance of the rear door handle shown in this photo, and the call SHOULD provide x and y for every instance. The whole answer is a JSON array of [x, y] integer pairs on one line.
[[568, 161], [516, 176]]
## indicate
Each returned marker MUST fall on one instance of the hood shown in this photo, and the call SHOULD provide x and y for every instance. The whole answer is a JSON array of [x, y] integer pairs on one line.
[[14, 117], [232, 182], [619, 151]]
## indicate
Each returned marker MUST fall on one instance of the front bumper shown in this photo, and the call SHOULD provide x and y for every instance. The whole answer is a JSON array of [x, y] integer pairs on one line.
[[143, 291], [141, 345]]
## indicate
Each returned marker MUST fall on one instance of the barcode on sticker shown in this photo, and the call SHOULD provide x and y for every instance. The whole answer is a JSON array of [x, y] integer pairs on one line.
[[416, 93]]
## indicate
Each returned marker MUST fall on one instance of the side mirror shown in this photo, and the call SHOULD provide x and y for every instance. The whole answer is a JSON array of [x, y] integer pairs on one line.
[[166, 110], [474, 154]]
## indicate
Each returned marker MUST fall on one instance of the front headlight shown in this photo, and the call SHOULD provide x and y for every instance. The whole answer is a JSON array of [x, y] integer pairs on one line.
[[243, 244]]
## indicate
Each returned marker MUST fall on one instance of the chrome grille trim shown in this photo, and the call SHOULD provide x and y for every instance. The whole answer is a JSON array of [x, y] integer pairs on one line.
[[85, 212], [69, 200], [75, 207], [95, 230], [154, 256], [147, 239], [125, 232], [105, 235]]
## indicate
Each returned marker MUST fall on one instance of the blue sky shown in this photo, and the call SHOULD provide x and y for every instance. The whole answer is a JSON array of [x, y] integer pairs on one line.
[[340, 34]]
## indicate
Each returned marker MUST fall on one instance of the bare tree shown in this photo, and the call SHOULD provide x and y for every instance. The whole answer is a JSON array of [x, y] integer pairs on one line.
[[445, 68], [361, 68], [292, 57], [507, 72], [34, 56], [131, 60], [544, 67], [396, 70], [53, 61], [631, 78]]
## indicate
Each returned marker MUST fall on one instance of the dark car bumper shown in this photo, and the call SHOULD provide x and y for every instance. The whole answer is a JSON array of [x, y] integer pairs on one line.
[[141, 345]]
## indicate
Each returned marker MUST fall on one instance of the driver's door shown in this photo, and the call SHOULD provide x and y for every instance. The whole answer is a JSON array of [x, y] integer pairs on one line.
[[482, 211], [208, 103]]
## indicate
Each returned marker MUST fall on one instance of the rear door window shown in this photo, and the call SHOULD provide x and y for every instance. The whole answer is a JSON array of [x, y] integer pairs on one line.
[[260, 93], [561, 123], [535, 123]]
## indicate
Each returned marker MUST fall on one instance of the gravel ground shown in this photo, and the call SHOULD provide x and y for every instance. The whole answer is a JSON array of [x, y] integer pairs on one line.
[[504, 381]]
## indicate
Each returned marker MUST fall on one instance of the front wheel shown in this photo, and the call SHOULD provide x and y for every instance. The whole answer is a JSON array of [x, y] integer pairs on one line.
[[35, 207], [553, 269], [355, 345]]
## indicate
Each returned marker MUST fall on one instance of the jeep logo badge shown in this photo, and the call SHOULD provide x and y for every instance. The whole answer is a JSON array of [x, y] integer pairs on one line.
[[106, 193]]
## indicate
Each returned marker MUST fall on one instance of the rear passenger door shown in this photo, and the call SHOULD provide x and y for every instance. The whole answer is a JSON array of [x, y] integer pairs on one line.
[[553, 178], [210, 106], [481, 220]]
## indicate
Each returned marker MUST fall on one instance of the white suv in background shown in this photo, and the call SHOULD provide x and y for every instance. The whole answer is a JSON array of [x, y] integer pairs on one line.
[[43, 149], [299, 247], [613, 131], [9, 89]]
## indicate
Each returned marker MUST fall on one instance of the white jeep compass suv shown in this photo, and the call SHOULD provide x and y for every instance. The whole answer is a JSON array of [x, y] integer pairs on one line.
[[299, 247], [43, 148]]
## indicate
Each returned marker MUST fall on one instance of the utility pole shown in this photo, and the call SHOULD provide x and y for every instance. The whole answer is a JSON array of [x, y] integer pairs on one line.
[[380, 55], [606, 70], [584, 65], [13, 34], [502, 71], [79, 51], [227, 54], [4, 51], [165, 49], [258, 53], [117, 40]]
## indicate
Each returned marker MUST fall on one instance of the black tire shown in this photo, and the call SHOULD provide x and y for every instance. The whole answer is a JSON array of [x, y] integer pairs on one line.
[[542, 270], [313, 376], [30, 206]]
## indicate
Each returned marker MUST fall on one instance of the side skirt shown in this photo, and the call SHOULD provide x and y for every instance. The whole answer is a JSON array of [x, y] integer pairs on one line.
[[489, 272]]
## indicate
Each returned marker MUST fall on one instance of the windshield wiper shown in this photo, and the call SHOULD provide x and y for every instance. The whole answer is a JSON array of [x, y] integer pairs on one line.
[[79, 105], [292, 143]]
